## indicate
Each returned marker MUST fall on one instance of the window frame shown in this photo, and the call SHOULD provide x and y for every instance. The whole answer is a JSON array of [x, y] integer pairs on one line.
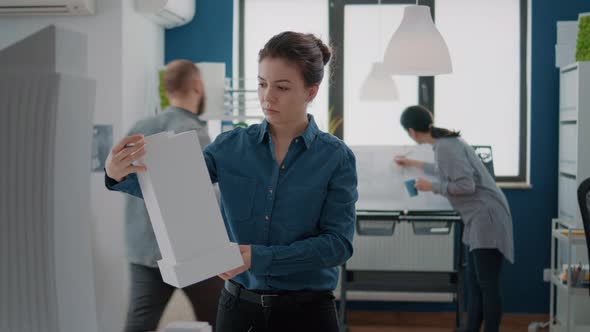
[[426, 84]]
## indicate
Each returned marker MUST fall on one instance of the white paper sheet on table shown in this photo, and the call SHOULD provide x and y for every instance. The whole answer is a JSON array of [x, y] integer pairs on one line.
[[381, 181]]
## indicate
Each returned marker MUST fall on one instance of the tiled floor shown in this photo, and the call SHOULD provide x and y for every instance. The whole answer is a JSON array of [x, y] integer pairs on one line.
[[378, 321], [420, 329], [179, 309], [396, 329]]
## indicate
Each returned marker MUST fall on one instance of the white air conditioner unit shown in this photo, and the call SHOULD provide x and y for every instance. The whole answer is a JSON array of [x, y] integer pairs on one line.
[[167, 13], [46, 7]]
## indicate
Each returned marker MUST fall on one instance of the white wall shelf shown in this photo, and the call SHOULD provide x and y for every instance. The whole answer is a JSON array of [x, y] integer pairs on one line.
[[574, 135], [569, 305]]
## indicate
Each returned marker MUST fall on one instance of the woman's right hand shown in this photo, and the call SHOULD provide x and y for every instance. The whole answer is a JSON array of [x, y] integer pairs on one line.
[[123, 154], [403, 161], [406, 162]]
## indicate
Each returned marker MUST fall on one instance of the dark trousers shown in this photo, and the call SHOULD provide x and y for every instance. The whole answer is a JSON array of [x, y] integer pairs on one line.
[[149, 295], [238, 315], [484, 299]]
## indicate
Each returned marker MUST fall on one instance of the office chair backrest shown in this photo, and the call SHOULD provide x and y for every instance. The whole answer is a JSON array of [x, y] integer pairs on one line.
[[584, 202]]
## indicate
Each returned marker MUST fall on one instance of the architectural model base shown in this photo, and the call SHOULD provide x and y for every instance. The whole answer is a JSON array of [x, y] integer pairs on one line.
[[212, 263]]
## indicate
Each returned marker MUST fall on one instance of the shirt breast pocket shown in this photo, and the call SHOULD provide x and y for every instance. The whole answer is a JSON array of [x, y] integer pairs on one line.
[[237, 195]]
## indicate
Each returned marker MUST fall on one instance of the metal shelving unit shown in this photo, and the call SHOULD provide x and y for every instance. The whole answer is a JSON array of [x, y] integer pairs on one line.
[[568, 304]]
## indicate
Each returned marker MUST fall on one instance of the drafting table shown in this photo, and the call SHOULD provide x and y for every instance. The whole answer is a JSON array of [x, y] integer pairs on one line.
[[383, 204], [406, 281]]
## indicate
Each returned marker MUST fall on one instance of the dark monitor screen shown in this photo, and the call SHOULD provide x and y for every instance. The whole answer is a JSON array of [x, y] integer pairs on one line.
[[484, 152]]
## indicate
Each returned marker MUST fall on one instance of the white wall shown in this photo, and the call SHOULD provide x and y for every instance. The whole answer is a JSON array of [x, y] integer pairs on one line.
[[143, 55], [123, 51]]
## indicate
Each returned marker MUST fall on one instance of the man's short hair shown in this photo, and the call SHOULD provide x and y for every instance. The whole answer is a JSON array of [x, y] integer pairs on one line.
[[178, 74]]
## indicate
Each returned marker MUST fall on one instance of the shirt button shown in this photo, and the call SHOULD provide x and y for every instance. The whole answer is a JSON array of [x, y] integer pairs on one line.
[[282, 166], [266, 218], [297, 140], [270, 191]]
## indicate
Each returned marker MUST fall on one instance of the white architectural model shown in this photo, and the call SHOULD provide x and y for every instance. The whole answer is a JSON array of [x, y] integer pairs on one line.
[[184, 212], [46, 112]]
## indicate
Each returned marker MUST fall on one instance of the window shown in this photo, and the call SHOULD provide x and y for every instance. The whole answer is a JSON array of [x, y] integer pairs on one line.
[[262, 19], [484, 97], [372, 122]]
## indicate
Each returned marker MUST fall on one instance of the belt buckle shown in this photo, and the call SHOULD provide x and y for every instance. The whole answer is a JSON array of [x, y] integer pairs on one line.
[[262, 299]]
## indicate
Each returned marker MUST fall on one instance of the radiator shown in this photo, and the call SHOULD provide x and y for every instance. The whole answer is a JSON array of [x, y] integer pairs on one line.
[[404, 251]]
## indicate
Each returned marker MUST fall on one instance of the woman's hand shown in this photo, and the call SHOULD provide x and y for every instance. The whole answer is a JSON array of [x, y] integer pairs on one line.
[[123, 154], [406, 162], [246, 251], [423, 185]]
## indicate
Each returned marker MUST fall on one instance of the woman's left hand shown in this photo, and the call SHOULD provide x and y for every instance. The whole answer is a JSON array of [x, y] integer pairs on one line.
[[246, 251], [423, 185]]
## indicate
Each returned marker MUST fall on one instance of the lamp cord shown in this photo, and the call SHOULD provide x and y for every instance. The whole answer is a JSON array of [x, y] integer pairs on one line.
[[379, 22]]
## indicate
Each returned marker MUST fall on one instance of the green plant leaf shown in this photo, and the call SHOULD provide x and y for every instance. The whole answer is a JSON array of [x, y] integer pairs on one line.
[[334, 121], [583, 39], [164, 102]]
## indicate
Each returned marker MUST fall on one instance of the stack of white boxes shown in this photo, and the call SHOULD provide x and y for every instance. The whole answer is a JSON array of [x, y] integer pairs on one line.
[[565, 49]]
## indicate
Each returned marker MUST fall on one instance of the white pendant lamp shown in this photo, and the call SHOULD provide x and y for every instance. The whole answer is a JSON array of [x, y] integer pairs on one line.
[[379, 86], [416, 47]]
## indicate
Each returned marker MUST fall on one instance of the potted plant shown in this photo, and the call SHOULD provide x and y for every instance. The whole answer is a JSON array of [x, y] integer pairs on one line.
[[583, 40]]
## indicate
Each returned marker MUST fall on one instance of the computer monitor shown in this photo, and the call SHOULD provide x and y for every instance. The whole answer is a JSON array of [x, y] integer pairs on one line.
[[484, 152]]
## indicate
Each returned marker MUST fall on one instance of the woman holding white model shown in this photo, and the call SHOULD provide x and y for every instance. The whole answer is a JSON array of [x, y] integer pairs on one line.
[[288, 193]]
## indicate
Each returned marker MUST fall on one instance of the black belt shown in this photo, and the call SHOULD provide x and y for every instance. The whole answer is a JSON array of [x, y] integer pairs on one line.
[[270, 300]]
